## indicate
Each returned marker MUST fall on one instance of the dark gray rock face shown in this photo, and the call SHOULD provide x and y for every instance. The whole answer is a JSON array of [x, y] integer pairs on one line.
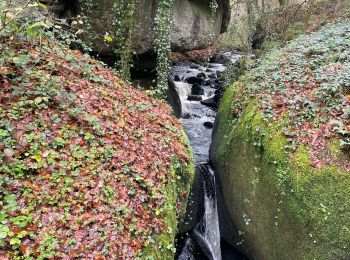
[[210, 102], [192, 26], [173, 98], [194, 98], [194, 80], [197, 89], [209, 124]]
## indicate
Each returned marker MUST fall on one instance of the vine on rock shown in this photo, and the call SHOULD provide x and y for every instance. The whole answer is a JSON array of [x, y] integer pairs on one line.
[[162, 47], [124, 12], [213, 5], [87, 7], [121, 35], [213, 8]]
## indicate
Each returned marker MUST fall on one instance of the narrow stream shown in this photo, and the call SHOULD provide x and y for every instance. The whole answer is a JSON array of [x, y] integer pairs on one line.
[[204, 241], [199, 88]]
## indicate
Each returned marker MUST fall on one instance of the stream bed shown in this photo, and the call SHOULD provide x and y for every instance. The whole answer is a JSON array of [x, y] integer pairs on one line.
[[200, 88]]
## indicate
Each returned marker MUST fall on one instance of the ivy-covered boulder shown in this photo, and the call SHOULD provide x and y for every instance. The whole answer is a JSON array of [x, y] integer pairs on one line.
[[281, 150], [89, 166], [195, 24]]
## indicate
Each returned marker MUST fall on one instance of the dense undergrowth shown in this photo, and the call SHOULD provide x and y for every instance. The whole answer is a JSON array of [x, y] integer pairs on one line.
[[284, 24], [89, 166], [306, 85], [265, 25]]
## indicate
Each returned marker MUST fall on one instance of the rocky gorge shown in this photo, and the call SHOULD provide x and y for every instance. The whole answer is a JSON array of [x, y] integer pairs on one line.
[[255, 166], [200, 87]]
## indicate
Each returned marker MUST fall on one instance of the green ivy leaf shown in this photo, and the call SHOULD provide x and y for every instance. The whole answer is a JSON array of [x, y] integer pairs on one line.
[[15, 241], [4, 231]]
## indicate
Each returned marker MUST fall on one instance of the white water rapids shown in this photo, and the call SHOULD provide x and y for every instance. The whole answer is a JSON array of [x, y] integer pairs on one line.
[[207, 231], [205, 235]]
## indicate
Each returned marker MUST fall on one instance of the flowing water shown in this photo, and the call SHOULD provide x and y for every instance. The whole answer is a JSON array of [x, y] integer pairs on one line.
[[207, 232], [194, 113], [198, 115]]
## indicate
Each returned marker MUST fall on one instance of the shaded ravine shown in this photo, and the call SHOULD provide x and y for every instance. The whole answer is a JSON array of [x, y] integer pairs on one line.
[[199, 88]]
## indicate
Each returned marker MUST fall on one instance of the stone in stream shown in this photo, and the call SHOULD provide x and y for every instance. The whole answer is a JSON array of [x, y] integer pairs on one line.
[[193, 80], [201, 75], [216, 86], [197, 89], [194, 67], [177, 78], [207, 83], [208, 124], [220, 90], [194, 98], [217, 98], [212, 76], [219, 81], [210, 102], [219, 73], [218, 58]]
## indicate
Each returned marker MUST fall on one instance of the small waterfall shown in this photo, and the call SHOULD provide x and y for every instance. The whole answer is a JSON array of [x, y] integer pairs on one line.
[[195, 86], [183, 89], [206, 234]]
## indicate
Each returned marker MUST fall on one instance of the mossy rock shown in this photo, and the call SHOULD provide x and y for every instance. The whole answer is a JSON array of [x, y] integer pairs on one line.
[[284, 204]]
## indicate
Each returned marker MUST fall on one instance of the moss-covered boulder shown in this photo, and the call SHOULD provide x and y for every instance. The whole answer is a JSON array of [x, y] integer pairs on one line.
[[89, 166], [281, 150]]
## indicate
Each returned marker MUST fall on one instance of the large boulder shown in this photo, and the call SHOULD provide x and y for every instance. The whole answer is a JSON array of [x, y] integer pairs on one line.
[[193, 27], [90, 167], [281, 151]]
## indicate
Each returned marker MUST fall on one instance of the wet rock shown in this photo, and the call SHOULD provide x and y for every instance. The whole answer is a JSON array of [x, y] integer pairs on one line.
[[201, 75], [210, 102], [197, 89], [208, 124], [207, 83], [194, 80], [212, 76], [209, 70], [220, 90], [219, 81], [188, 71], [186, 116], [177, 78], [194, 98], [173, 98], [194, 67], [217, 98], [218, 58]]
